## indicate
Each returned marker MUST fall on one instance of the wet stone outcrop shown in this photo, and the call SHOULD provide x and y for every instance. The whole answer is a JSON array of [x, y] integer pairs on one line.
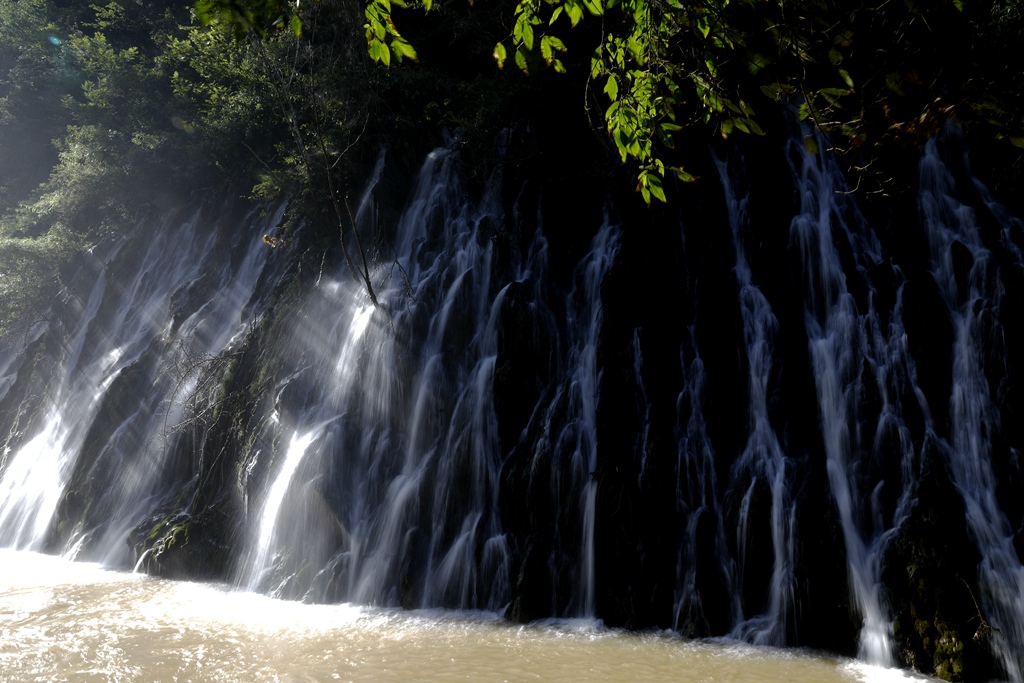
[[931, 576]]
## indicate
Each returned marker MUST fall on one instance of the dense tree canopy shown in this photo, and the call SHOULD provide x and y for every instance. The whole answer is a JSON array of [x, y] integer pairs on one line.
[[871, 74]]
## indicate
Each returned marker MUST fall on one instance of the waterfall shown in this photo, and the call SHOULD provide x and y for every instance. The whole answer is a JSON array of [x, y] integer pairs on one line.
[[567, 418], [852, 352], [697, 499], [403, 466], [964, 270], [547, 419], [583, 397], [124, 337], [762, 461], [833, 330], [386, 489]]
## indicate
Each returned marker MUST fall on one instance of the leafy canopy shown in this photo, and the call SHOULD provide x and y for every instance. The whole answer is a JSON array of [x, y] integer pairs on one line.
[[869, 74]]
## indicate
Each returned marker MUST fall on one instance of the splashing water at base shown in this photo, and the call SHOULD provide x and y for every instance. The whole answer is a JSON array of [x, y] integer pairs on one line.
[[73, 621]]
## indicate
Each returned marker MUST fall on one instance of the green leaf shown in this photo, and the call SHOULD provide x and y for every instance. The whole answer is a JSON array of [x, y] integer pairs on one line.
[[545, 49], [521, 61], [557, 44], [772, 91], [892, 82], [832, 95], [635, 49], [296, 25], [834, 92], [557, 13], [528, 35], [373, 47], [500, 55], [427, 4], [654, 185], [378, 29], [846, 77], [611, 87], [559, 67], [811, 144], [1017, 142], [403, 49], [574, 11], [683, 176], [621, 142], [756, 62]]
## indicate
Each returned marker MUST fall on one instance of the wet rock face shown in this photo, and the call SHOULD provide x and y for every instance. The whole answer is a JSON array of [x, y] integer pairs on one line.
[[178, 546], [522, 371], [931, 575]]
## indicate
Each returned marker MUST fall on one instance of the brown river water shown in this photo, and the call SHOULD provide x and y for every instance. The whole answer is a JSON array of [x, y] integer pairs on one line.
[[63, 621]]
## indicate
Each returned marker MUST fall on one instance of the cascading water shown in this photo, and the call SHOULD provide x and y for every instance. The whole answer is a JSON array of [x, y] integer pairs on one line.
[[567, 420], [441, 448], [583, 397], [35, 474], [762, 461], [842, 342], [852, 355], [833, 323], [386, 493], [125, 332], [964, 270], [696, 498], [404, 466]]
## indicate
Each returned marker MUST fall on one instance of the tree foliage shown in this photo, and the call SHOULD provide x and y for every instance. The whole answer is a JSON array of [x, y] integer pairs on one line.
[[868, 74], [98, 102]]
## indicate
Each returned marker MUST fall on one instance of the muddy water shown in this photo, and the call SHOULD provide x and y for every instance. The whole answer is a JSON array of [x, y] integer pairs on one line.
[[62, 621]]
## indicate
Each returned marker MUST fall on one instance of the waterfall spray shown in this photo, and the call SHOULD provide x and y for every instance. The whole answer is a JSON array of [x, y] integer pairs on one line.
[[121, 335]]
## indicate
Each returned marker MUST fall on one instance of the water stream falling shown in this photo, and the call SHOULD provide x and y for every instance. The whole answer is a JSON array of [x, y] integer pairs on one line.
[[972, 293], [403, 466], [126, 331], [583, 391], [839, 338], [762, 461], [696, 496], [386, 491]]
